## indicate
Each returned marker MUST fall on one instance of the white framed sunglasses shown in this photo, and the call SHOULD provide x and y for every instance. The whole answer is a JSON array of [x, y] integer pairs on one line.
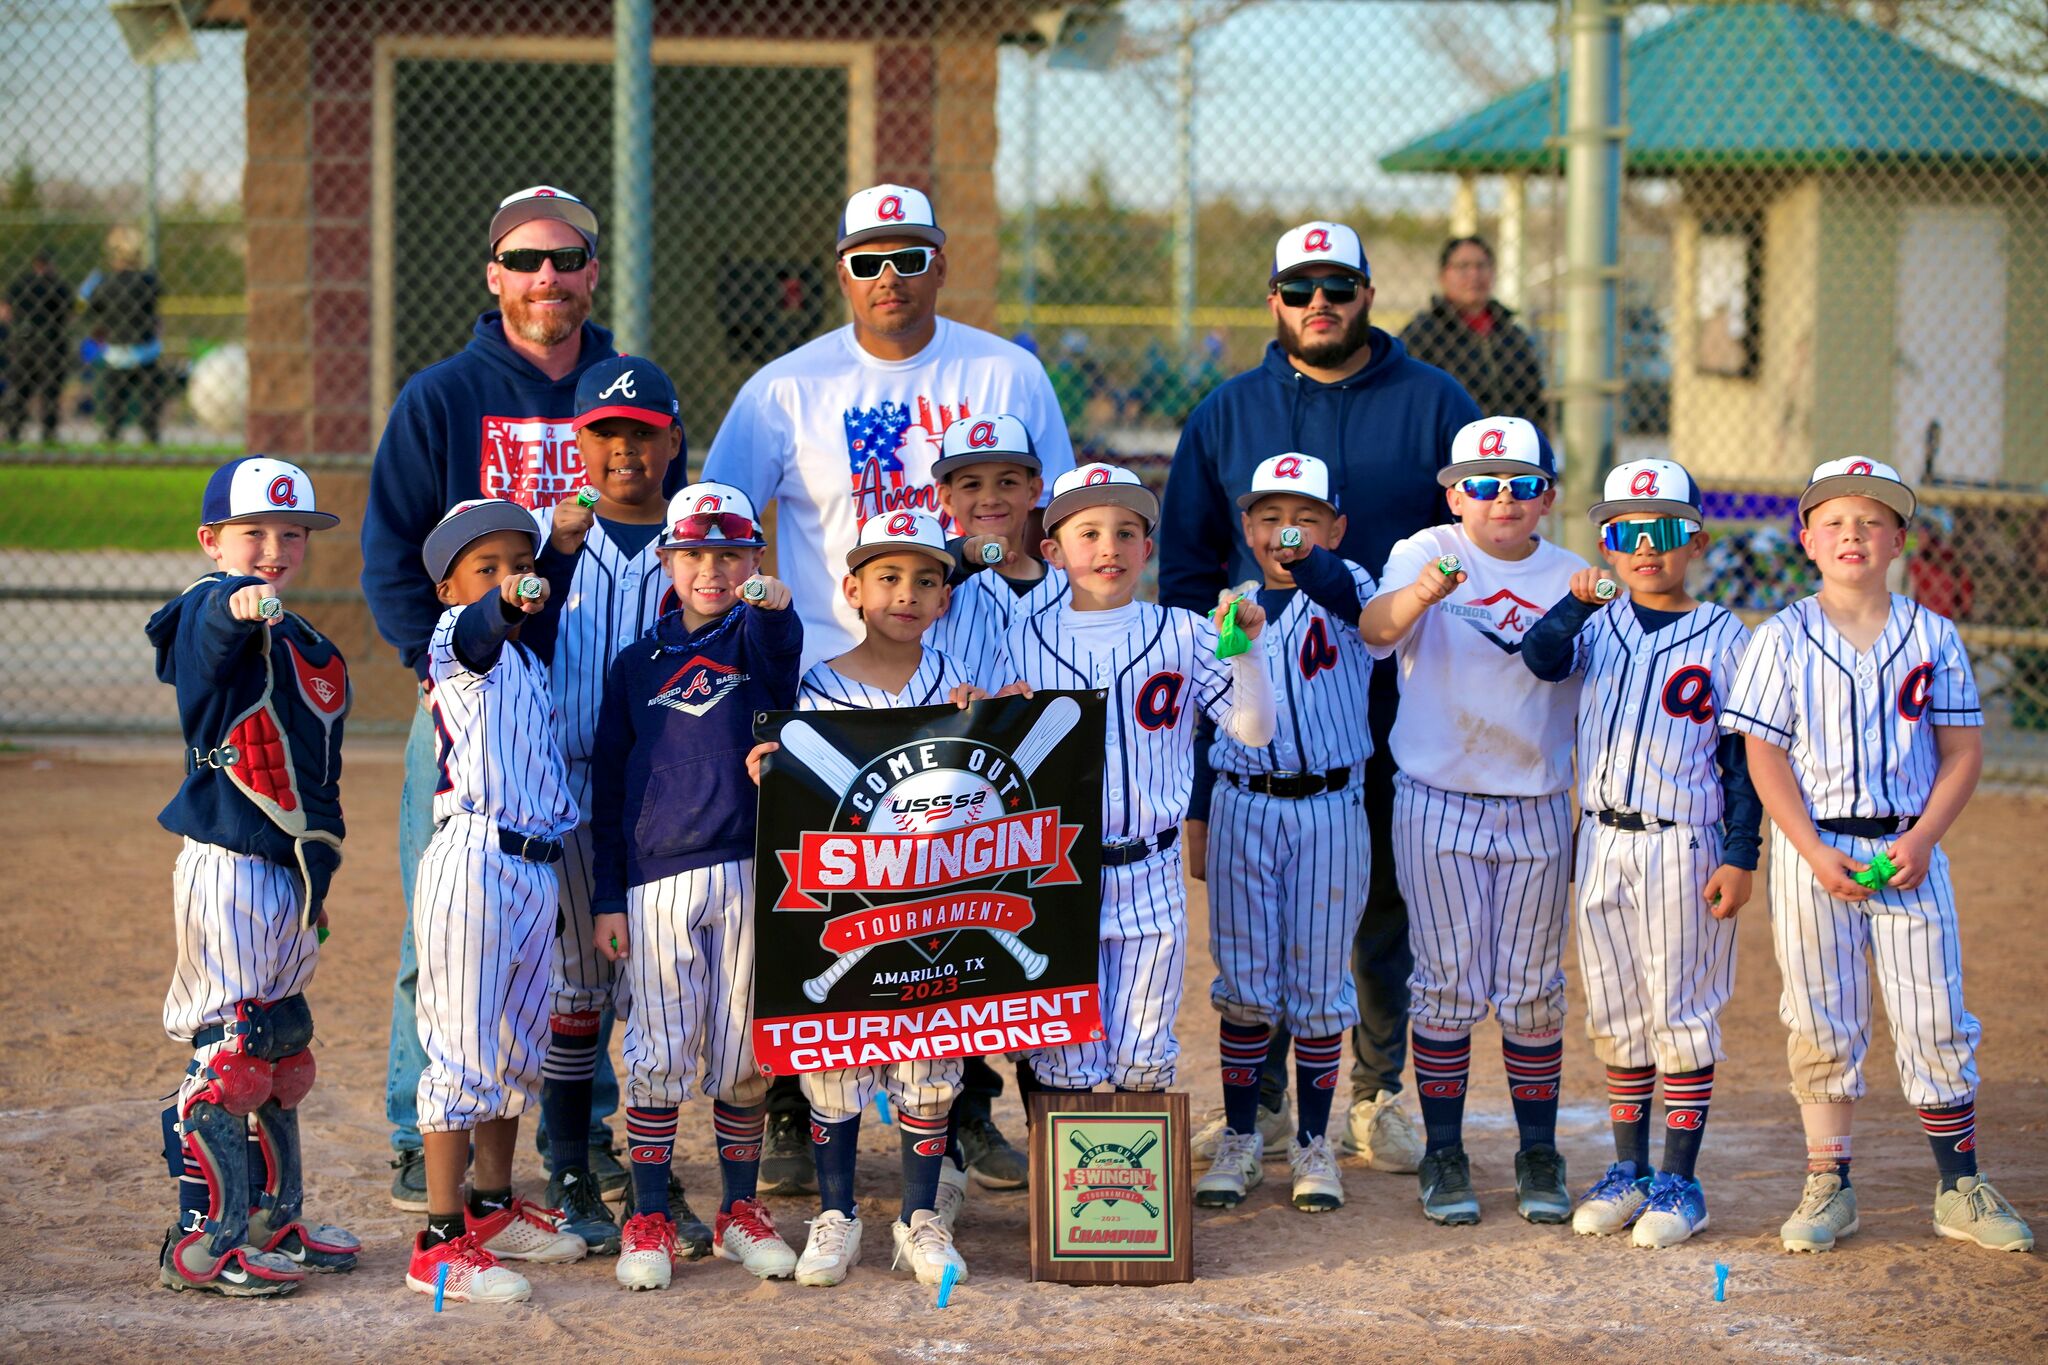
[[905, 261]]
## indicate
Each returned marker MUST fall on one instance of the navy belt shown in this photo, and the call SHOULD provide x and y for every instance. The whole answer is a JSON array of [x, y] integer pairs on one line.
[[1123, 852], [1292, 786], [531, 847], [1866, 828], [1631, 820]]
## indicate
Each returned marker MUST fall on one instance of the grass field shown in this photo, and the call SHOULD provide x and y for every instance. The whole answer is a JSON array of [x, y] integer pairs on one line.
[[95, 507]]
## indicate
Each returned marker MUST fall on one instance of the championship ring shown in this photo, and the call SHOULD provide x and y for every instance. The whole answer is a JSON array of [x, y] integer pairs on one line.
[[270, 608], [586, 497], [754, 590], [1290, 537], [530, 588], [992, 553], [1605, 589], [1449, 566]]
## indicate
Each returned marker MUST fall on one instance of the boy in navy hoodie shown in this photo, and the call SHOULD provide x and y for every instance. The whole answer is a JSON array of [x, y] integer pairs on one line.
[[261, 697], [674, 899]]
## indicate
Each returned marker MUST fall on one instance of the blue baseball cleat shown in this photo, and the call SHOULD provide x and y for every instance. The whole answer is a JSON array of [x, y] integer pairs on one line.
[[1612, 1204], [1675, 1210]]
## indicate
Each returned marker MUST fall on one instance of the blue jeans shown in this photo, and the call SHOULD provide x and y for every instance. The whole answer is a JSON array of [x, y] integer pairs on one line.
[[406, 1058]]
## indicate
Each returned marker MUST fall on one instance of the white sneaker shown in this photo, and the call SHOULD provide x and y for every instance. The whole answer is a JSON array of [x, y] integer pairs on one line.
[[1381, 1130], [1275, 1126], [1318, 1187], [832, 1251], [952, 1195], [524, 1231], [1826, 1212], [747, 1234], [647, 1251], [473, 1275], [1233, 1172], [927, 1243]]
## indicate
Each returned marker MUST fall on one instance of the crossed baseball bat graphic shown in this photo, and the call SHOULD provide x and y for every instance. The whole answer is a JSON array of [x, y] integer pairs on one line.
[[1135, 1155]]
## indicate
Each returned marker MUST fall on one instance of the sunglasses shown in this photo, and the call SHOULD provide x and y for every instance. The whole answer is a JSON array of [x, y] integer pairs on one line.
[[908, 261], [700, 525], [1301, 292], [1664, 534], [566, 260], [1523, 487]]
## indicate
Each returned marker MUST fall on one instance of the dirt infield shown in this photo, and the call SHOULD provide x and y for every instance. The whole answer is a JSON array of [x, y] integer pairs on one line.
[[87, 925]]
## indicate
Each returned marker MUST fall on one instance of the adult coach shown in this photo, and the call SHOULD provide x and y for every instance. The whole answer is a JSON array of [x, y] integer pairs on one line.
[[1336, 387], [490, 421], [842, 428]]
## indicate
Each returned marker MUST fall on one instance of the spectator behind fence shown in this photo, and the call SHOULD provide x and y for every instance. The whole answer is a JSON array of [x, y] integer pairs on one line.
[[121, 314], [39, 309], [1474, 336]]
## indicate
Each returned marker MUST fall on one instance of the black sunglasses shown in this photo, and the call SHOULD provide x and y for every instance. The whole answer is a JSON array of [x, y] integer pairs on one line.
[[566, 260], [908, 261], [1300, 291]]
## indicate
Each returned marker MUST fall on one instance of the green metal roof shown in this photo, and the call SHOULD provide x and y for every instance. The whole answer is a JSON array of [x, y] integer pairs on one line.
[[1746, 85]]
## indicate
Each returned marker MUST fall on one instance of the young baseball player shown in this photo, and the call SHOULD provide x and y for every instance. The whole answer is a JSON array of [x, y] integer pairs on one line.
[[1482, 810], [1159, 667], [1862, 720], [1667, 838], [261, 698], [602, 543], [673, 818], [487, 900], [1291, 853]]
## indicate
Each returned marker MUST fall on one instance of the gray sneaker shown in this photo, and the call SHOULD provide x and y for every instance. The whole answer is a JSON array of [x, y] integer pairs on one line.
[[1826, 1212], [1276, 1130], [1445, 1176], [1540, 1195], [1974, 1212], [409, 1185], [995, 1164]]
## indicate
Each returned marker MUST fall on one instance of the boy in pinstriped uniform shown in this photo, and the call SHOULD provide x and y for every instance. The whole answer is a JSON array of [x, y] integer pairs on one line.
[[1667, 837], [1865, 742]]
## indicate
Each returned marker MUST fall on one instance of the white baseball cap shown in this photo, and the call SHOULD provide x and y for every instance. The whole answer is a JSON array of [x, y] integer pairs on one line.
[[888, 211], [469, 521], [1318, 243], [985, 440], [1100, 485], [709, 514], [1651, 487], [258, 486], [1858, 477], [1302, 475], [543, 201], [1508, 446], [887, 532]]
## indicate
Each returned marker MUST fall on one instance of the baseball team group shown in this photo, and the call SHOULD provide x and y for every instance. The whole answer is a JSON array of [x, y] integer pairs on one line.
[[1444, 721]]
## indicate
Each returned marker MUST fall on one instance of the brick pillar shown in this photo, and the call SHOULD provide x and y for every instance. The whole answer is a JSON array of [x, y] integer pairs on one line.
[[963, 174]]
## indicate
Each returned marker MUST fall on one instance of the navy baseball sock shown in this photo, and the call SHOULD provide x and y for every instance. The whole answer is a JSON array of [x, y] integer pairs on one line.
[[566, 1079], [1443, 1063], [1686, 1097], [738, 1134], [1629, 1092], [1952, 1132], [1315, 1084], [1534, 1066], [651, 1149], [924, 1150], [834, 1147], [1244, 1054]]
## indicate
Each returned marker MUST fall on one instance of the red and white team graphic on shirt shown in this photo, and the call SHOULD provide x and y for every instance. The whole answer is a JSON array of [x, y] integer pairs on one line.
[[529, 460], [1500, 616], [877, 439]]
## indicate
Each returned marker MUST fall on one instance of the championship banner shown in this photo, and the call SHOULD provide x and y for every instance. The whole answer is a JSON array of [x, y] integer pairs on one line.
[[927, 882]]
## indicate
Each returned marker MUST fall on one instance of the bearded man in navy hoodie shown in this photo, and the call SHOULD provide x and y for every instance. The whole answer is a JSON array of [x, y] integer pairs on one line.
[[1334, 386], [491, 421]]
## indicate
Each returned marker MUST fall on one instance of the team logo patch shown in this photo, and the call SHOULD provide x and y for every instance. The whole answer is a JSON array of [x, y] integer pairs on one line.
[[1860, 467], [1289, 468], [1968, 1144], [697, 686], [1318, 654], [622, 386], [901, 524], [1644, 484], [1240, 1075], [1691, 1120], [1326, 1080], [709, 502], [1441, 1090], [529, 460], [1689, 694], [1159, 701], [648, 1154], [1547, 1090], [1096, 476], [890, 210], [819, 1133], [1316, 239], [981, 436], [1501, 617], [1624, 1113], [283, 491], [738, 1151], [1493, 443], [931, 1146], [1915, 690], [325, 688]]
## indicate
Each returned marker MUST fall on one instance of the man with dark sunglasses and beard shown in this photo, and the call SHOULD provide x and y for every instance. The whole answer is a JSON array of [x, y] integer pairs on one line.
[[495, 420], [1334, 386]]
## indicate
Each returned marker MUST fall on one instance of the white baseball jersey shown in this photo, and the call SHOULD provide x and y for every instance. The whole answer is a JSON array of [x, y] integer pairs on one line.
[[1321, 673], [1650, 709], [692, 969], [495, 740], [979, 617], [1484, 722], [925, 1088], [1852, 723]]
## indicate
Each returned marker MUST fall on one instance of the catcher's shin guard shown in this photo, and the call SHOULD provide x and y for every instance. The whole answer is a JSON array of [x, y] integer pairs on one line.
[[277, 1188], [212, 1130]]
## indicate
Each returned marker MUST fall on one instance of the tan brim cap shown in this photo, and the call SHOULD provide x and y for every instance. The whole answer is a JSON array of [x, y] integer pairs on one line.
[[1134, 497], [1890, 492]]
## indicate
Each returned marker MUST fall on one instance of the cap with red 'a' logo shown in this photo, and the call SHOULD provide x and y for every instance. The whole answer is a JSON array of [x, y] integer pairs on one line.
[[891, 532], [711, 515], [259, 486], [885, 211], [1858, 476], [1302, 475], [1100, 485], [1658, 488], [1507, 446], [1000, 439], [1318, 245]]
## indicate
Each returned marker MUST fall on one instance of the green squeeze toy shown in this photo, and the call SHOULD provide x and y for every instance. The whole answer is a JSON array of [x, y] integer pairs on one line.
[[1231, 640], [1879, 874]]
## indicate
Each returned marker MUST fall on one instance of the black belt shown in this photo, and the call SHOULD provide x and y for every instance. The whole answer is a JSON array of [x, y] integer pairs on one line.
[[1292, 786], [1631, 820], [1127, 851], [531, 847], [1865, 828]]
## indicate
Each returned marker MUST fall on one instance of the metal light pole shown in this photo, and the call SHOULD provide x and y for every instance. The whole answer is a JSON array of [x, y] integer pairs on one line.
[[629, 250], [1593, 161], [1184, 207]]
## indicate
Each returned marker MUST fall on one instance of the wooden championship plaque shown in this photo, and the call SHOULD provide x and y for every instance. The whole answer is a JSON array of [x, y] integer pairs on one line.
[[1112, 1196]]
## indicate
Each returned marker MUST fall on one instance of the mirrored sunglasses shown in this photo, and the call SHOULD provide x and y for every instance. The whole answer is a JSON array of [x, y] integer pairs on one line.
[[1665, 533], [1300, 291], [1522, 487], [526, 260], [701, 525], [907, 261]]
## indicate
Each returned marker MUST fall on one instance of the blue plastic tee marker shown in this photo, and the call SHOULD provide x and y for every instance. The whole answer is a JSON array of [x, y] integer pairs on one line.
[[946, 1280], [440, 1286], [882, 1107], [1720, 1283]]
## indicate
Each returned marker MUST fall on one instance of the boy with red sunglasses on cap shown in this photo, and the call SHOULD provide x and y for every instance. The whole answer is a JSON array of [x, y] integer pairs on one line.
[[1482, 806], [1667, 839], [673, 834]]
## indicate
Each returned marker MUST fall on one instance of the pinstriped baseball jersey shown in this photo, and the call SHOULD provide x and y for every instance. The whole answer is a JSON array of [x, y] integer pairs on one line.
[[825, 688], [1852, 724], [495, 740], [972, 629], [1321, 674], [1159, 666], [1649, 711]]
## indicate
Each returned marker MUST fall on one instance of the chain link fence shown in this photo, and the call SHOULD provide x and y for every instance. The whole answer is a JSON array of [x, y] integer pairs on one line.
[[1830, 224]]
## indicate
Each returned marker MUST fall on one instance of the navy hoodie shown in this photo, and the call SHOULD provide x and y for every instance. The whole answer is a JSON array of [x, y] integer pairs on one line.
[[669, 784], [486, 422], [216, 663]]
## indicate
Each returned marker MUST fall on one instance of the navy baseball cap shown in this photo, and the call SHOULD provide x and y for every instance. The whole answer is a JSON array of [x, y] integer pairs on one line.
[[258, 486], [626, 386], [473, 520]]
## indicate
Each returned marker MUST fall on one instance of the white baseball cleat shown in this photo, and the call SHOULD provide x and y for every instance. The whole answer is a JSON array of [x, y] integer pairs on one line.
[[747, 1234], [647, 1251], [1234, 1172], [927, 1243], [832, 1251], [524, 1231], [1614, 1202]]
